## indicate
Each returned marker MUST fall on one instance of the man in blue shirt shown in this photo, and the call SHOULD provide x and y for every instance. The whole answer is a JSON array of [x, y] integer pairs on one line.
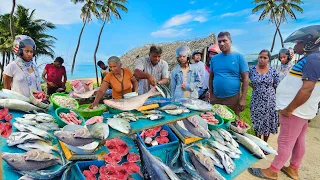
[[227, 70]]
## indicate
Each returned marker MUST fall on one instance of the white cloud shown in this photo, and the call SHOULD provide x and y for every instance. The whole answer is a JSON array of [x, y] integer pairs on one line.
[[236, 32], [238, 13], [171, 32], [55, 11], [187, 17], [192, 2], [253, 18]]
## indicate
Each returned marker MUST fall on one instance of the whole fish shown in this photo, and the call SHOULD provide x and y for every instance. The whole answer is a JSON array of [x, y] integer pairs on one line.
[[262, 144], [164, 90], [225, 134], [19, 105], [48, 126], [219, 146], [233, 155], [26, 121], [250, 145], [44, 119], [175, 158], [174, 112], [155, 116], [29, 116], [169, 107], [17, 161], [227, 162], [197, 131], [21, 137], [45, 174], [43, 127], [217, 137], [207, 175], [233, 148], [8, 94], [45, 115], [196, 104], [194, 120], [234, 143], [119, 124], [203, 159], [32, 129], [155, 162], [187, 165], [131, 103], [82, 133], [43, 145], [210, 153], [179, 125], [39, 155], [67, 137], [99, 130]]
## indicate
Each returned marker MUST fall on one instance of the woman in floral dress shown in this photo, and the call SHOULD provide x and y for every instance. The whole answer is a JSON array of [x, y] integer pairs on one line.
[[264, 80]]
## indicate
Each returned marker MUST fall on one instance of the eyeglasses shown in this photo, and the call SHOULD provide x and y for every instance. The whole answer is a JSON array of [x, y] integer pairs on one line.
[[28, 51]]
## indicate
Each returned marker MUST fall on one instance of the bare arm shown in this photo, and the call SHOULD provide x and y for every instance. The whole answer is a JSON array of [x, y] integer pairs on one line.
[[141, 75], [134, 83], [302, 96], [65, 78], [103, 88], [210, 83], [7, 80], [244, 89], [44, 75]]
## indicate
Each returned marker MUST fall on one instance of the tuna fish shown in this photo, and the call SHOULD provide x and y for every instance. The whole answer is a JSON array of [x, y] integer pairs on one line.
[[19, 105], [197, 131], [18, 162], [131, 103], [67, 137]]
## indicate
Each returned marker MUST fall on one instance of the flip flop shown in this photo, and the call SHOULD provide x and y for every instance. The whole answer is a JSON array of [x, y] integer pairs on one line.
[[257, 173]]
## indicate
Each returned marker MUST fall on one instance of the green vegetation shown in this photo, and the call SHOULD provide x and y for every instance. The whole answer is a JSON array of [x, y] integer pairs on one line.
[[245, 115]]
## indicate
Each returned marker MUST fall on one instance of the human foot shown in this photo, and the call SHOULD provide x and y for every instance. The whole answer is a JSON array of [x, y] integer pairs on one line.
[[292, 173]]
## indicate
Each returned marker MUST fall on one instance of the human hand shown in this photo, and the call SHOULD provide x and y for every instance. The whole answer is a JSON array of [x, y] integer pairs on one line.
[[51, 84], [183, 86], [242, 104], [286, 112], [152, 81], [94, 104]]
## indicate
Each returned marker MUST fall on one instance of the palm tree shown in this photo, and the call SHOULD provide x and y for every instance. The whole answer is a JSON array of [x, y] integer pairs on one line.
[[277, 11], [110, 7], [91, 7], [5, 40], [11, 19]]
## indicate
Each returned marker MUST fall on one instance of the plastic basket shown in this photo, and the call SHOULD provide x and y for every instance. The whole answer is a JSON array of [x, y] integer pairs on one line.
[[90, 113], [230, 110], [60, 122], [55, 105], [216, 126]]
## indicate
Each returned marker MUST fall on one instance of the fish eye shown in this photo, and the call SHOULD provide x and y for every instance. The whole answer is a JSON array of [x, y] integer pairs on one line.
[[12, 160]]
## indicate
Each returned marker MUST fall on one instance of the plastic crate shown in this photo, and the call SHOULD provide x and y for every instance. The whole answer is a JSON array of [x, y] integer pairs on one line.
[[160, 100], [162, 149], [84, 165]]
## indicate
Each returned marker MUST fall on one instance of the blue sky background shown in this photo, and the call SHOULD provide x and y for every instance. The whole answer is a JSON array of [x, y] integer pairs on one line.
[[162, 21]]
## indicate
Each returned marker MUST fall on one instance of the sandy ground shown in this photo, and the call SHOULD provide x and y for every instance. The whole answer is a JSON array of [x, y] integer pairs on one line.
[[310, 168]]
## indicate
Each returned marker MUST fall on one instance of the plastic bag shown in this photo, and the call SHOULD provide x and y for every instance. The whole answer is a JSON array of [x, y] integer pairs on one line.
[[81, 86]]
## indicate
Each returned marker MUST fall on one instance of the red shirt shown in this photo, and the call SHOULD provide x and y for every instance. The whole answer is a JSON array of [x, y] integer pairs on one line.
[[54, 74]]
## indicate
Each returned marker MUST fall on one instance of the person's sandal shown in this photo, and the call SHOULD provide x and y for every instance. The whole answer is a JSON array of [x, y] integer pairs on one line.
[[257, 173], [286, 170]]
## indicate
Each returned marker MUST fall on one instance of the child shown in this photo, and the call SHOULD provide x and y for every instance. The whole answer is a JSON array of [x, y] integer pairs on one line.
[[185, 78]]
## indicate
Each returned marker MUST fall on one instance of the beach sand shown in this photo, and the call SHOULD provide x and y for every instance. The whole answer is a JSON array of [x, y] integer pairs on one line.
[[310, 168]]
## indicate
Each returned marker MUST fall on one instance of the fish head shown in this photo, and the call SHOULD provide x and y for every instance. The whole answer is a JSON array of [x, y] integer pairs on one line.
[[13, 159], [61, 135]]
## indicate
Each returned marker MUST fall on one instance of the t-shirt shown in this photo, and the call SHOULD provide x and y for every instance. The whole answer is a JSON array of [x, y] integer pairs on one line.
[[54, 74], [116, 84], [19, 79], [158, 71], [104, 72], [308, 68], [227, 69], [202, 71]]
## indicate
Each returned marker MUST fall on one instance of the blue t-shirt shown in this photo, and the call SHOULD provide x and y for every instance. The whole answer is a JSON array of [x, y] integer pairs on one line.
[[227, 69]]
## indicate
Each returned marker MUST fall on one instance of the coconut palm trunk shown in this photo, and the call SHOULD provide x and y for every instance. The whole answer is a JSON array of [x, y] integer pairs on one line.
[[96, 50], [2, 65], [11, 19], [78, 45]]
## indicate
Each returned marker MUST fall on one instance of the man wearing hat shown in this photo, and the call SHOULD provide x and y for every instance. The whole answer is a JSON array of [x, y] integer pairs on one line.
[[204, 76]]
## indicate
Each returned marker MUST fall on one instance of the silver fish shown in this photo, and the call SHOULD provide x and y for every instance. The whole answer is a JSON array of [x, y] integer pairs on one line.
[[25, 177], [169, 107], [131, 103], [99, 130], [233, 148], [174, 112], [250, 145], [29, 116], [195, 104], [234, 143], [43, 127], [193, 120], [187, 165], [225, 134], [151, 112], [26, 121], [82, 133], [227, 162], [197, 131], [119, 124], [217, 137], [175, 158], [44, 119], [262, 144], [67, 137], [17, 161], [203, 159], [154, 161], [19, 105], [179, 125], [21, 137], [32, 129], [207, 175], [45, 115], [233, 155], [39, 155], [155, 116], [210, 153], [8, 94], [48, 126], [43, 145], [219, 146]]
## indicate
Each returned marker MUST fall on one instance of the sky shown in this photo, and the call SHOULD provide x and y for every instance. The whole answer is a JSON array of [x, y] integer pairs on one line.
[[162, 21]]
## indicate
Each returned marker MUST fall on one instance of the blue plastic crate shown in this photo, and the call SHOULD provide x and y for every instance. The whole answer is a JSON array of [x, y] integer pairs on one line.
[[160, 100], [162, 149], [84, 165]]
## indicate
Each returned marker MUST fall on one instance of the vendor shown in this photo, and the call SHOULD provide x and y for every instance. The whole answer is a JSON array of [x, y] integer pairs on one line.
[[55, 76], [21, 75], [121, 80], [151, 70]]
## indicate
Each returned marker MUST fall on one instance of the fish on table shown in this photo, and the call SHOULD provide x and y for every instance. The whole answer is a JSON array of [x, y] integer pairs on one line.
[[15, 104], [197, 131], [38, 144], [195, 104], [21, 137], [262, 144], [250, 145], [32, 129], [99, 130], [8, 94], [204, 149], [119, 124], [67, 137]]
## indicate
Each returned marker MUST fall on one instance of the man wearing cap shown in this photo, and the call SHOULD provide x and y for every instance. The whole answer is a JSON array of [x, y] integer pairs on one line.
[[196, 56], [151, 70]]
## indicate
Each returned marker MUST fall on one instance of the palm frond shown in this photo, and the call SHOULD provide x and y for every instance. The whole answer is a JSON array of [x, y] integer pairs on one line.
[[258, 8], [296, 7]]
